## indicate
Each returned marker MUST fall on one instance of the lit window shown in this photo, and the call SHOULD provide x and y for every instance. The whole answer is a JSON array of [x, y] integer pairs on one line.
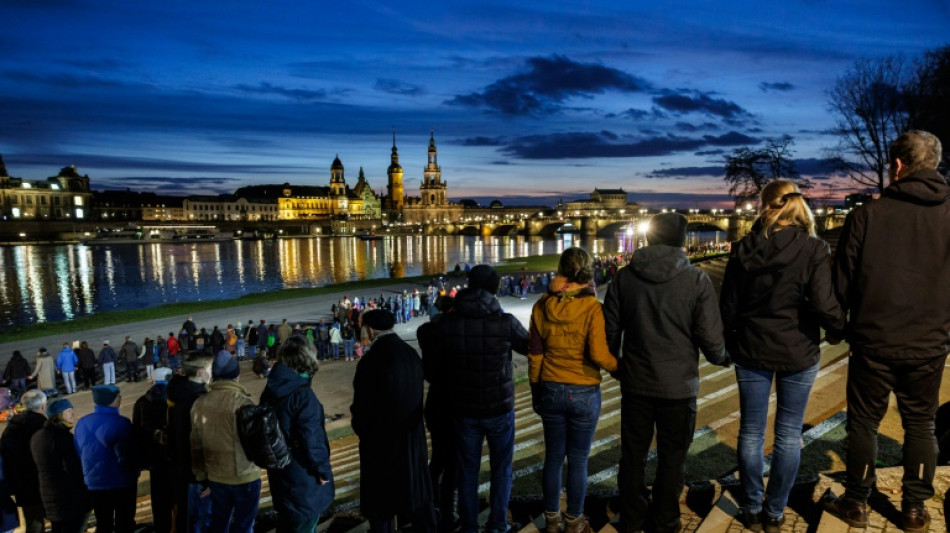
[[27, 185], [54, 186], [77, 200], [16, 212]]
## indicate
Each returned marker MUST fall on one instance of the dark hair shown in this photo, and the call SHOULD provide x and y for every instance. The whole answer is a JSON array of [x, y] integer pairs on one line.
[[195, 361], [576, 265], [917, 150], [299, 354], [83, 345]]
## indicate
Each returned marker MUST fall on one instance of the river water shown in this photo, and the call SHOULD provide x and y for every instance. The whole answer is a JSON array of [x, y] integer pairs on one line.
[[52, 283]]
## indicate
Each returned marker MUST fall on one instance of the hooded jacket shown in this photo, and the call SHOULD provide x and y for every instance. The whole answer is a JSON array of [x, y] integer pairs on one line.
[[18, 467], [107, 355], [106, 444], [567, 340], [298, 494], [776, 295], [659, 311], [892, 271], [66, 360]]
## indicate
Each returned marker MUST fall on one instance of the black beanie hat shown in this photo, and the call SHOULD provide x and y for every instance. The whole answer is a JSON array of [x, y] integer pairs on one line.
[[668, 229], [379, 319], [483, 277]]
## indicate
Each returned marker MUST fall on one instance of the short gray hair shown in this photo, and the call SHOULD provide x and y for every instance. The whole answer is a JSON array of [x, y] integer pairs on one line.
[[917, 150], [33, 400]]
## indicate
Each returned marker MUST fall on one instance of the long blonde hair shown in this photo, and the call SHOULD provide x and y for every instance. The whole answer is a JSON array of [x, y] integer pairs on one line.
[[784, 205]]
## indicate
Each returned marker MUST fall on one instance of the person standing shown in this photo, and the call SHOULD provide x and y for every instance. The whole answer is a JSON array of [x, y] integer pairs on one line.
[[87, 363], [262, 335], [323, 340], [387, 418], [59, 471], [106, 444], [892, 278], [283, 332], [66, 362], [107, 359], [192, 501], [659, 312], [217, 340], [250, 339], [475, 341], [174, 350], [566, 351], [335, 339], [303, 489], [148, 357], [45, 373], [19, 469], [150, 420], [349, 341], [130, 353], [217, 458], [17, 371], [775, 297], [191, 331]]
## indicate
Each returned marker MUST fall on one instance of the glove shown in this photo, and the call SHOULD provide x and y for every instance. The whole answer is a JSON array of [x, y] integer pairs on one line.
[[536, 397]]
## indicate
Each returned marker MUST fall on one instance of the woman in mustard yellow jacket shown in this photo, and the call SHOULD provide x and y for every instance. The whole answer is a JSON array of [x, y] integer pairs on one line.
[[566, 352]]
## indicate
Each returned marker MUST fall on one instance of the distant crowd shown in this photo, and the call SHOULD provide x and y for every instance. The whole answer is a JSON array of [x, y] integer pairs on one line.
[[205, 441]]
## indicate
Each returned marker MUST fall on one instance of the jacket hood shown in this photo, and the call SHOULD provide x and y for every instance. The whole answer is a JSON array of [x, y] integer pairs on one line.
[[476, 302], [565, 300], [659, 263], [924, 187], [181, 390], [283, 381], [758, 253]]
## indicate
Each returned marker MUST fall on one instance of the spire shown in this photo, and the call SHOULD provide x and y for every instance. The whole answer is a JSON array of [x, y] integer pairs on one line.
[[362, 176]]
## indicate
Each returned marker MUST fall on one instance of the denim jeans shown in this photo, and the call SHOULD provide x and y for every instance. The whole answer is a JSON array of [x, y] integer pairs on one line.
[[569, 414], [199, 510], [251, 350], [335, 350], [791, 390], [108, 373], [348, 348], [69, 379], [500, 432], [234, 507]]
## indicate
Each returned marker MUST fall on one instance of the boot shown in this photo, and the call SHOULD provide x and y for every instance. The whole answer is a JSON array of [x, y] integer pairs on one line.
[[552, 522], [577, 524]]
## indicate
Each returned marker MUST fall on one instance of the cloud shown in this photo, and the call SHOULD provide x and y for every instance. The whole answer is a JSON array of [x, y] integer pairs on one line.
[[266, 89], [581, 145], [781, 86], [688, 172], [636, 114], [480, 141], [546, 84], [700, 103], [144, 163], [711, 152], [72, 82], [401, 88], [692, 128]]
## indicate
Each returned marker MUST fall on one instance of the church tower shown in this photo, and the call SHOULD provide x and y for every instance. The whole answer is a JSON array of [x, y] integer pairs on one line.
[[338, 187], [397, 195], [433, 189]]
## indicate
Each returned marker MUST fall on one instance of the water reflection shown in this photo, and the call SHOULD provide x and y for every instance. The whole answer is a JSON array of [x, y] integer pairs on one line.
[[52, 283]]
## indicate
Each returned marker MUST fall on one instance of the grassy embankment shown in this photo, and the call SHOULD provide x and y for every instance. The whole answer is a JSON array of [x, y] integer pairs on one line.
[[539, 263]]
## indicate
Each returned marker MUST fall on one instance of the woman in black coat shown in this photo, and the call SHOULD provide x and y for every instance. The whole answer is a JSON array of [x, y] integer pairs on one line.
[[776, 295], [302, 490], [387, 417], [62, 488], [18, 368]]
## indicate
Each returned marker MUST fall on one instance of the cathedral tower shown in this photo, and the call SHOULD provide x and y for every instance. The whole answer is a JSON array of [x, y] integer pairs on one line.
[[433, 189], [397, 195], [337, 182]]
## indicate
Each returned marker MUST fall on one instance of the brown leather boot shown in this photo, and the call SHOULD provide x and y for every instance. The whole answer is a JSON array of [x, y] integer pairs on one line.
[[578, 524], [851, 511], [552, 522], [916, 519]]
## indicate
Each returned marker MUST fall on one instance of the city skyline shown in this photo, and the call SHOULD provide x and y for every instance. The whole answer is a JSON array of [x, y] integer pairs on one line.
[[532, 100]]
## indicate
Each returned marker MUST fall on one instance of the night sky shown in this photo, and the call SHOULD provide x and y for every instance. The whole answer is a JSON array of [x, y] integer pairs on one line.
[[526, 98]]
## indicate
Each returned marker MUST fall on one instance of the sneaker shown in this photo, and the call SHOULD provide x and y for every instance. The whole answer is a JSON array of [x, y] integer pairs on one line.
[[578, 524], [915, 519], [751, 521], [772, 524], [851, 511], [552, 522]]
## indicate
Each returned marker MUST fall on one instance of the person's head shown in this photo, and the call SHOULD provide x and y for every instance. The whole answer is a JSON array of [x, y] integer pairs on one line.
[[17, 354], [783, 205], [576, 265], [197, 366], [299, 354], [377, 321], [65, 345], [34, 400], [667, 229], [162, 375], [105, 342], [225, 367], [83, 345], [106, 396], [483, 277], [128, 338], [61, 412], [170, 334], [189, 318], [42, 353], [913, 151]]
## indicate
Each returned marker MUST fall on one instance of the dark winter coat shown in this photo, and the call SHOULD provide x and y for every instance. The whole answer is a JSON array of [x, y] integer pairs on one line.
[[182, 394], [438, 409], [217, 341], [17, 368], [387, 417], [8, 511], [59, 470], [298, 494], [665, 310], [130, 351], [251, 337], [474, 342], [150, 420], [106, 444], [107, 355], [892, 272], [776, 295], [87, 358], [18, 467]]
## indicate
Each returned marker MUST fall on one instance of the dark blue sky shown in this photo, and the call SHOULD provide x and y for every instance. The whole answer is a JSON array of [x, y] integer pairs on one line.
[[527, 98]]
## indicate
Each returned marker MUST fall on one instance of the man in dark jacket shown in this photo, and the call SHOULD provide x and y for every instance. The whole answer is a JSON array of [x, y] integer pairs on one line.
[[191, 330], [150, 420], [107, 359], [303, 489], [893, 276], [130, 353], [473, 346], [17, 371], [64, 494], [661, 309], [387, 417], [193, 509], [18, 467]]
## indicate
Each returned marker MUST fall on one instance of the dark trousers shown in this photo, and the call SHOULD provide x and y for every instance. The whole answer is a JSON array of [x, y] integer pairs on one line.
[[162, 488], [423, 521], [916, 385], [115, 510], [72, 525], [444, 466], [132, 370], [89, 376], [34, 518], [234, 507], [675, 421]]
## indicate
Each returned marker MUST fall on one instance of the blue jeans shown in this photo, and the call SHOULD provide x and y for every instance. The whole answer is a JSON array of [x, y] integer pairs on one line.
[[348, 348], [234, 507], [569, 414], [108, 373], [500, 432], [199, 509], [335, 350], [792, 390]]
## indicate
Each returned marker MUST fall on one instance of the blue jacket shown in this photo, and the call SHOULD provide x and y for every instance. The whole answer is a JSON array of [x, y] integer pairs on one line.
[[106, 446], [107, 355], [66, 361], [297, 493]]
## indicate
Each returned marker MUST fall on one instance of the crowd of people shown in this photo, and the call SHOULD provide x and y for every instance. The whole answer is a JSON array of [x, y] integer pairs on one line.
[[881, 291]]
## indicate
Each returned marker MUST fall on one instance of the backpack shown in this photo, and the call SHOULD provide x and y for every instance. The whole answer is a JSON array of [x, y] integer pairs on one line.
[[261, 437]]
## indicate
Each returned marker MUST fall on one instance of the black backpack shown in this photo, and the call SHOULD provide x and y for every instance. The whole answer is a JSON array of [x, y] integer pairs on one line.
[[261, 437]]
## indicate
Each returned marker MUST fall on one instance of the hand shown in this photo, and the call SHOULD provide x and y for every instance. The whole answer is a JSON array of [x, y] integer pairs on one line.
[[205, 493], [536, 397], [322, 481]]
